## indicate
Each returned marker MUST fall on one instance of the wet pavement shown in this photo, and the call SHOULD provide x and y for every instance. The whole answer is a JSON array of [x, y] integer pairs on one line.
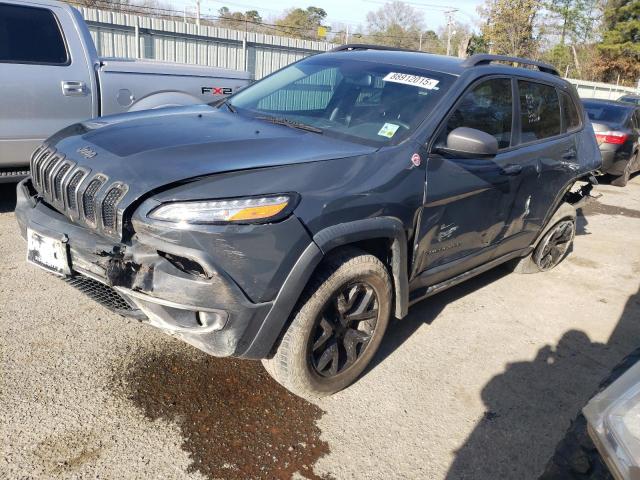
[[236, 422]]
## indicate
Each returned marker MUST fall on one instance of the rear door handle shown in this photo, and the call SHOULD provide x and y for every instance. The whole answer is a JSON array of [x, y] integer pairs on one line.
[[512, 169], [73, 88], [569, 155]]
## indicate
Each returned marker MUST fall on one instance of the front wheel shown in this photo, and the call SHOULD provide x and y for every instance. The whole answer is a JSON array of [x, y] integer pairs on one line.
[[337, 327]]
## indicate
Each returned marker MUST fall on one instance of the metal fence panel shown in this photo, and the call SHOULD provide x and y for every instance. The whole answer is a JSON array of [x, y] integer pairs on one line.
[[115, 33]]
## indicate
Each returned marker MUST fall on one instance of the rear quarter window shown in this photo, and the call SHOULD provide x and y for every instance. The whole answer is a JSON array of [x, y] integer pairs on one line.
[[570, 116], [539, 111], [30, 35]]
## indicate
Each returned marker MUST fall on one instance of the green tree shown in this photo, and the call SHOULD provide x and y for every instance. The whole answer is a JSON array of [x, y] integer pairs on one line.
[[239, 21], [572, 20], [620, 46], [396, 24], [510, 26], [302, 23]]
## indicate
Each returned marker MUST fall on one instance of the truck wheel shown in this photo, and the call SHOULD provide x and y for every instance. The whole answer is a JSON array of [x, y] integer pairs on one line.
[[336, 328], [552, 248]]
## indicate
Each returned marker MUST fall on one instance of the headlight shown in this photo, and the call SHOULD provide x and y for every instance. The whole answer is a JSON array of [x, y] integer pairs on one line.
[[613, 417], [241, 210]]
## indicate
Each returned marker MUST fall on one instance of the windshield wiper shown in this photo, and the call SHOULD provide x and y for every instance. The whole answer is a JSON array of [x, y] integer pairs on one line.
[[227, 104], [291, 123]]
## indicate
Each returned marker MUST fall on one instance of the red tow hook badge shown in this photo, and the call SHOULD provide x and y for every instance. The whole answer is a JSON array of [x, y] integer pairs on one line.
[[416, 160]]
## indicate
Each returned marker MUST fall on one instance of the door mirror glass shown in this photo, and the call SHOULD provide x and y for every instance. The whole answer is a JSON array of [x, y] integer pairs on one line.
[[470, 143]]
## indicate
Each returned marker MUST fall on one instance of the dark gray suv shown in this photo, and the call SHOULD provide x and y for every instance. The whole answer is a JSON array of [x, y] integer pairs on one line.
[[292, 221]]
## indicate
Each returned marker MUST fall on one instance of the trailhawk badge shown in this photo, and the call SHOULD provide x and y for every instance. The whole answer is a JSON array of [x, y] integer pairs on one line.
[[87, 152]]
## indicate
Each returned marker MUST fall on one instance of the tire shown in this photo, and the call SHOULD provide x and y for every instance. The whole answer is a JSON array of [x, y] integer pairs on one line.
[[337, 326], [554, 244], [622, 180]]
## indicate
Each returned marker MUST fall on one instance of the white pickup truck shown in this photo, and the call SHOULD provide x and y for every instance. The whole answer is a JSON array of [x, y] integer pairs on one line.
[[51, 76]]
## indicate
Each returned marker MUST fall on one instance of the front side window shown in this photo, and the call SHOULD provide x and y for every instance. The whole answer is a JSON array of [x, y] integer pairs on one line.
[[539, 111], [365, 102], [487, 107], [30, 35], [570, 115]]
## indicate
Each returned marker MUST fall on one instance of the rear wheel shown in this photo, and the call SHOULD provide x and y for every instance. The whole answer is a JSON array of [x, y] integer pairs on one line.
[[337, 327], [554, 245], [622, 180]]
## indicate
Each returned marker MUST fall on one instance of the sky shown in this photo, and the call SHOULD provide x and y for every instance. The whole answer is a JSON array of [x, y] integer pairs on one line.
[[351, 12]]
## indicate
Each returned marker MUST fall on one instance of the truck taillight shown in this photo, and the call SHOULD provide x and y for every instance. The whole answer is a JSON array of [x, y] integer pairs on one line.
[[616, 138]]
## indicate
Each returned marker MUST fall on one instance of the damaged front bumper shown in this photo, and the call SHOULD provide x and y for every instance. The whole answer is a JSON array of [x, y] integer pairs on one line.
[[162, 281]]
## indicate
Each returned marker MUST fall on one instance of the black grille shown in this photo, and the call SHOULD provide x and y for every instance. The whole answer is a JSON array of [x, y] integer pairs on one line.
[[88, 200], [109, 207], [101, 293], [71, 190], [57, 182]]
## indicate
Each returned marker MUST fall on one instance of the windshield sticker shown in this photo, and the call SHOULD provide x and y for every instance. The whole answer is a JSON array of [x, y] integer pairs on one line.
[[388, 130], [413, 80]]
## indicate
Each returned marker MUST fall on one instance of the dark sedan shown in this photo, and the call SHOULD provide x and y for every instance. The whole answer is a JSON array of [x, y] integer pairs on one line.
[[617, 128], [631, 98]]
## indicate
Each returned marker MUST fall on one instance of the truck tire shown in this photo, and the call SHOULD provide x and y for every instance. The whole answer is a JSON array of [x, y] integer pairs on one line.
[[553, 245], [337, 326]]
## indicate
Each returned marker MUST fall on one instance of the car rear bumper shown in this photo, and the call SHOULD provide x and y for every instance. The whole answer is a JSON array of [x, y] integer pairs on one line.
[[151, 279], [614, 161]]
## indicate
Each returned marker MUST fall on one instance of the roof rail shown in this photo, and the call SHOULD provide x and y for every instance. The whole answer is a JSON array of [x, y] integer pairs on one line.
[[365, 46], [486, 59]]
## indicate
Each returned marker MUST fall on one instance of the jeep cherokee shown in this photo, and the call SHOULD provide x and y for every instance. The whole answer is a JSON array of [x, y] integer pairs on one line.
[[291, 221]]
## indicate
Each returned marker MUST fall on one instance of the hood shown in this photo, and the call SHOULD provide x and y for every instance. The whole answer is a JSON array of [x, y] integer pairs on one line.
[[147, 150]]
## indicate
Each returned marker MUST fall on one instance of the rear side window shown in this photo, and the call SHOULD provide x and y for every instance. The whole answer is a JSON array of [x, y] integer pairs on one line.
[[30, 35], [570, 117], [487, 107], [539, 111]]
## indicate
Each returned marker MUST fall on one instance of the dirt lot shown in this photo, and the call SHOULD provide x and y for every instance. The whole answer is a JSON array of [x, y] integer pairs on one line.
[[480, 382]]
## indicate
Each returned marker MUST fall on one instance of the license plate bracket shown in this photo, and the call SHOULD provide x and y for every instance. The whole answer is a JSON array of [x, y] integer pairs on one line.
[[48, 253]]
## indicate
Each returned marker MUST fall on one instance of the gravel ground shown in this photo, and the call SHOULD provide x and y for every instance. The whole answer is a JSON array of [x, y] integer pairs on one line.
[[478, 382]]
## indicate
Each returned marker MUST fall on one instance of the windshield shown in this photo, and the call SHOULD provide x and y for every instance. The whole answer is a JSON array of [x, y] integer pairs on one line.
[[603, 112], [365, 102]]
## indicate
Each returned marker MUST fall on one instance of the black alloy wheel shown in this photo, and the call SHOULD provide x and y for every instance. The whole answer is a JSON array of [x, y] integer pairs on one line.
[[555, 245], [343, 329]]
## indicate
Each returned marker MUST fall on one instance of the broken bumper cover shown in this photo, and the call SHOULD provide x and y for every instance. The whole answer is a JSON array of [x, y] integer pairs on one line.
[[164, 282]]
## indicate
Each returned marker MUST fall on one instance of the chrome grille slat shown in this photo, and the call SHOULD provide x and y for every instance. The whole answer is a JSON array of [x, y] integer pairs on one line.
[[109, 204], [72, 187], [57, 181], [88, 199]]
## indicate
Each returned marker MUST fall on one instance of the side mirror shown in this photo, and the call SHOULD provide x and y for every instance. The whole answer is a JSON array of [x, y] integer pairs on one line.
[[470, 142]]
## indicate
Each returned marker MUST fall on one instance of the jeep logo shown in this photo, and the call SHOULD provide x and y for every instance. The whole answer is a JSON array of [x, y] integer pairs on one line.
[[217, 90], [87, 152]]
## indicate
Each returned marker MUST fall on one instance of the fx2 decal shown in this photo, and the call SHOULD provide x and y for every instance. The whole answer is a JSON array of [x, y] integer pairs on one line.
[[217, 90]]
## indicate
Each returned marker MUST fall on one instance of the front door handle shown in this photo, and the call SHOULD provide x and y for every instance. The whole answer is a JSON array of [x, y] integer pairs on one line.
[[512, 169], [74, 88]]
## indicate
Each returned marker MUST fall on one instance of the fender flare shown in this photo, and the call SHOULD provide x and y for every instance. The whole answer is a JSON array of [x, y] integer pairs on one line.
[[164, 99], [369, 229], [272, 326]]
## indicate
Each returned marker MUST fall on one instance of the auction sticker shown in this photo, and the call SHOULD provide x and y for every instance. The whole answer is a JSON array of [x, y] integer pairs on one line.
[[388, 130], [413, 80]]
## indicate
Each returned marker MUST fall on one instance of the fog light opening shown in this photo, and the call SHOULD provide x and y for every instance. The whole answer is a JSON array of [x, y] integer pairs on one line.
[[211, 320]]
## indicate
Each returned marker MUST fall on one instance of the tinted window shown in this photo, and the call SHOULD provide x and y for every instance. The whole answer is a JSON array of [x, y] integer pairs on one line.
[[570, 117], [635, 100], [487, 107], [30, 35], [606, 112], [366, 102], [539, 111]]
